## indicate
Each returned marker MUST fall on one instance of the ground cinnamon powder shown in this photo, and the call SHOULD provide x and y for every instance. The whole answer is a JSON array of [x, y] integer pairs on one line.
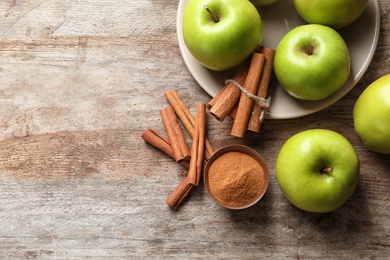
[[236, 178]]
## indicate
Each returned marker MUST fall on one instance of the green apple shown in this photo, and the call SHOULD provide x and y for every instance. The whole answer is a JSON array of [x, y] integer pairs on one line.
[[221, 34], [317, 170], [263, 2], [312, 61], [334, 13], [371, 115]]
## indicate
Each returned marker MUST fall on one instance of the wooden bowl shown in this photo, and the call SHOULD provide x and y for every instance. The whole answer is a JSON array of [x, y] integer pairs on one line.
[[236, 177]]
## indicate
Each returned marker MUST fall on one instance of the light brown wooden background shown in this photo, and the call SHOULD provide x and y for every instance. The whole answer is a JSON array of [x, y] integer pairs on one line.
[[80, 80]]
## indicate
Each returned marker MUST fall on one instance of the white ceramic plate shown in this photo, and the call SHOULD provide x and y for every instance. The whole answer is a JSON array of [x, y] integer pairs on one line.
[[361, 38]]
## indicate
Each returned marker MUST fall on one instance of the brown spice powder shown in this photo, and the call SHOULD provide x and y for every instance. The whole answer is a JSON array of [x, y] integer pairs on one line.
[[236, 178]]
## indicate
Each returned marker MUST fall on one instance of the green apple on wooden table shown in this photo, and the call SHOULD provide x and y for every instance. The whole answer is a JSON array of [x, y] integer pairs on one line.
[[371, 115], [317, 170], [312, 61], [221, 34], [263, 2], [334, 13]]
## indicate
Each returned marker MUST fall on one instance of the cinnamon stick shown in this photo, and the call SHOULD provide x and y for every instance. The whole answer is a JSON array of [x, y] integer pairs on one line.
[[158, 141], [246, 103], [175, 135], [254, 123], [198, 146], [186, 118], [233, 112], [196, 162], [179, 194], [225, 100]]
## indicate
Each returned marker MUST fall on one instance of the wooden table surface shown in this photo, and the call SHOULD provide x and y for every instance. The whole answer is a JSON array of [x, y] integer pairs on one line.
[[79, 83]]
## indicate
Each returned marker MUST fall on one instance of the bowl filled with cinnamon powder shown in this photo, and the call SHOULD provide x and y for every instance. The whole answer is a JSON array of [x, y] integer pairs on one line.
[[236, 177]]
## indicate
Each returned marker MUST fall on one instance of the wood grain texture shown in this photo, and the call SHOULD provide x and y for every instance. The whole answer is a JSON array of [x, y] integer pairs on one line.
[[79, 83]]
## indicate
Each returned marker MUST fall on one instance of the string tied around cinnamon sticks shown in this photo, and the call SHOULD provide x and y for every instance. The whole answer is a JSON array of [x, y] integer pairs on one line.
[[262, 102]]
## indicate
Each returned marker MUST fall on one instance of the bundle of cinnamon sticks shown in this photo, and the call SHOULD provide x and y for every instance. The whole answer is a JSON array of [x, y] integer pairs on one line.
[[175, 146], [243, 98]]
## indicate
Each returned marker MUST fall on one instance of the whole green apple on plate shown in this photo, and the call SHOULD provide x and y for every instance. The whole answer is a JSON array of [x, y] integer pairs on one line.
[[334, 13], [371, 115], [312, 61], [263, 2], [221, 34], [317, 170]]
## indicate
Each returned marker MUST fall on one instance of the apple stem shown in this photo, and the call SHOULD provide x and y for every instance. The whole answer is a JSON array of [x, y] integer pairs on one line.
[[312, 47], [327, 170], [215, 18]]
